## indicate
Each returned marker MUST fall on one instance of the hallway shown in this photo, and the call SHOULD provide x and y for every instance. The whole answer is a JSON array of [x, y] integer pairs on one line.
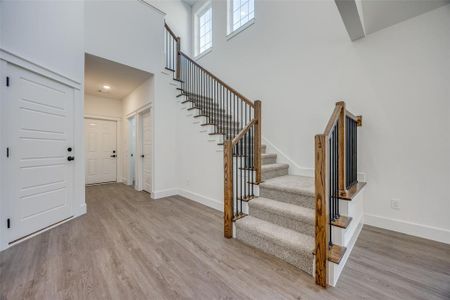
[[128, 247]]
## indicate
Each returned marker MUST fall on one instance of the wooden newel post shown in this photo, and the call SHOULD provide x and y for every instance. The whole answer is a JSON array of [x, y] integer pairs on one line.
[[321, 227], [341, 147], [228, 189], [178, 70], [257, 141]]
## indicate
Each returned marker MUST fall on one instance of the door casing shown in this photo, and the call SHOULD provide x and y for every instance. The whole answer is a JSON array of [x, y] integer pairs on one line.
[[78, 199]]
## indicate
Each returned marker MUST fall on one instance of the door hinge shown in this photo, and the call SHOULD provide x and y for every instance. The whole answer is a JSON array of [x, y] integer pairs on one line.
[[8, 223], [7, 152], [7, 80]]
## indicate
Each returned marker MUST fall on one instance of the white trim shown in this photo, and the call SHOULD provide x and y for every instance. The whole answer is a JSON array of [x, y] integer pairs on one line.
[[335, 270], [3, 143], [139, 110], [116, 119], [41, 70], [164, 193], [83, 209], [204, 53], [294, 168], [210, 202], [424, 231], [41, 231], [240, 29], [196, 16], [152, 7]]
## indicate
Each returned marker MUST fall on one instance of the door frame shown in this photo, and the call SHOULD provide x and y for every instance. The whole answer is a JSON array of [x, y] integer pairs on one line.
[[118, 138], [138, 162], [140, 144], [78, 198], [129, 180]]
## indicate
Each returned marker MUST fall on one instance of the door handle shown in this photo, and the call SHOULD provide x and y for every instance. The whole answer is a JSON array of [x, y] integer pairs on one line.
[[113, 155], [142, 155], [70, 158]]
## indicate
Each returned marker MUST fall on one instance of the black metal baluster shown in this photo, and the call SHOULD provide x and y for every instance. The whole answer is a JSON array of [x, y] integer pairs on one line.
[[330, 188]]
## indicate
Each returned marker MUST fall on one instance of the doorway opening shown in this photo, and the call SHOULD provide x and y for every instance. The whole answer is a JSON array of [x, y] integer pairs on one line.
[[116, 96]]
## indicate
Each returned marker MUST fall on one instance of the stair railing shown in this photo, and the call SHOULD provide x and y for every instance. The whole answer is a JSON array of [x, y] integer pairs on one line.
[[233, 116], [172, 50], [335, 175]]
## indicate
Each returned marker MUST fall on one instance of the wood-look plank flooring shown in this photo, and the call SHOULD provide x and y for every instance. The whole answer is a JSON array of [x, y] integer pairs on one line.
[[131, 247]]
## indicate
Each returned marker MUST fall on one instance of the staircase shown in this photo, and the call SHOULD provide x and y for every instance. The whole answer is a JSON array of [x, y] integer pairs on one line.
[[281, 220], [309, 222]]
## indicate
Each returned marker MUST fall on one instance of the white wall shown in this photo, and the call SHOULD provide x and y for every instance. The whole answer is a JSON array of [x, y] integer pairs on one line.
[[143, 95], [138, 41], [298, 59], [178, 17], [102, 107], [48, 37], [47, 33]]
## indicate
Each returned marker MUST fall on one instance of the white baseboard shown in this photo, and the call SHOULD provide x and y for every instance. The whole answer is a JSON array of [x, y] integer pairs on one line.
[[294, 168], [164, 193], [210, 202], [424, 231], [83, 210]]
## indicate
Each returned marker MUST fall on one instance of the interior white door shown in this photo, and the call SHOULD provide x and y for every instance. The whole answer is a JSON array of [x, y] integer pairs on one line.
[[40, 129], [101, 151], [147, 151]]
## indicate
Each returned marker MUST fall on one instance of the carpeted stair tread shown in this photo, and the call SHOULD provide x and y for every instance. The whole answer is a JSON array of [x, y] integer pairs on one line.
[[291, 183], [291, 246], [283, 209]]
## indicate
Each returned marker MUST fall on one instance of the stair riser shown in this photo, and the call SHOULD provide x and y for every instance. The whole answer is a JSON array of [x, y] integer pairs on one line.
[[292, 198], [269, 160], [268, 174], [300, 259], [284, 221]]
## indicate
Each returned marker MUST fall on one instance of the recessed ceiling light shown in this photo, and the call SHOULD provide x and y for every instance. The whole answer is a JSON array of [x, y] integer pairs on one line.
[[106, 87]]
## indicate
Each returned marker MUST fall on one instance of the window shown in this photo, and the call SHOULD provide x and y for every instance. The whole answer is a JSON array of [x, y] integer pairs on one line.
[[241, 12], [204, 31]]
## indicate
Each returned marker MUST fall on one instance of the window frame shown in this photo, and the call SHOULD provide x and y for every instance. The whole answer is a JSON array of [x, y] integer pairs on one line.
[[201, 11], [230, 21]]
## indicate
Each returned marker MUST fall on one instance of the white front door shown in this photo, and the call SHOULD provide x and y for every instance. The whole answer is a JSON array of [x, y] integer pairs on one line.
[[39, 134], [147, 151], [101, 150]]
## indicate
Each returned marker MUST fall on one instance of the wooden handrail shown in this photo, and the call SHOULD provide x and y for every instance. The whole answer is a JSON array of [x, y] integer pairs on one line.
[[243, 98], [337, 124], [334, 118], [170, 31], [357, 119], [244, 130]]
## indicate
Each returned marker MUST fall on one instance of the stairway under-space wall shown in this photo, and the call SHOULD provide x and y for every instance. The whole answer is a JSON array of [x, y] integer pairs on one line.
[[265, 206]]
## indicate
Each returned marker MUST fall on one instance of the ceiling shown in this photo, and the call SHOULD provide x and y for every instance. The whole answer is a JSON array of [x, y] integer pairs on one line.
[[122, 79], [381, 14], [190, 2]]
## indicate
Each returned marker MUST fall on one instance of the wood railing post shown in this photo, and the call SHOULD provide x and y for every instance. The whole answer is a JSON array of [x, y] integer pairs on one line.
[[178, 62], [321, 228], [341, 147], [257, 141], [228, 189]]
